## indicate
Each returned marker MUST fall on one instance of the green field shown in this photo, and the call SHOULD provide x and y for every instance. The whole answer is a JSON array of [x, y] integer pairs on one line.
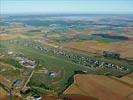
[[51, 63], [40, 81]]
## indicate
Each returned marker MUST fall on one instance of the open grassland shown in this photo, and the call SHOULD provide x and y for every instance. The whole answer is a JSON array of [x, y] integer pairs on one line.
[[102, 87]]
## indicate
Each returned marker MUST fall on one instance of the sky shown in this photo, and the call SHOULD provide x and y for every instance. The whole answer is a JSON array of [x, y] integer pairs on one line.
[[66, 6]]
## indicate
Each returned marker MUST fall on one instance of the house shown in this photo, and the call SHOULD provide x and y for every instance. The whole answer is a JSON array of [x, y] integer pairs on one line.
[[37, 98], [17, 82], [26, 62], [10, 53], [52, 74]]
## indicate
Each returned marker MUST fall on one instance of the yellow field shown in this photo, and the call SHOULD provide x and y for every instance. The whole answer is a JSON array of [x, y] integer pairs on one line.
[[124, 48], [89, 46]]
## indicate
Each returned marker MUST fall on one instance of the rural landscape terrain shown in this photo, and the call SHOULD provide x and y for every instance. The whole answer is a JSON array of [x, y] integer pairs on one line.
[[66, 57]]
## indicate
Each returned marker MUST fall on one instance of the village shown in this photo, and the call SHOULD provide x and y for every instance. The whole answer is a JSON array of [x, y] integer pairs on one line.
[[20, 87], [78, 59], [33, 65], [90, 62]]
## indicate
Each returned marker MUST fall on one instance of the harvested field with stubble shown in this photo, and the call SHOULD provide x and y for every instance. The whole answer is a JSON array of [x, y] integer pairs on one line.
[[125, 48], [102, 87], [89, 46], [4, 37], [128, 78]]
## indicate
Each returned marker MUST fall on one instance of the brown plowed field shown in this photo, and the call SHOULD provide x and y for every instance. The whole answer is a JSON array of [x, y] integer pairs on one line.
[[128, 79], [101, 87]]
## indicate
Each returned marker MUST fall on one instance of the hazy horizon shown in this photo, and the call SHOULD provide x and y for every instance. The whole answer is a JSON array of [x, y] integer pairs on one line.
[[66, 7]]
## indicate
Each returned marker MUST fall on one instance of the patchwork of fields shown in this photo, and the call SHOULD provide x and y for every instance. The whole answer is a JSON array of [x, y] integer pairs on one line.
[[40, 56]]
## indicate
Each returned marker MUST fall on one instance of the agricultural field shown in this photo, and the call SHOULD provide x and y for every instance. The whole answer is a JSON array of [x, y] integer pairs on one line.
[[3, 93], [125, 48], [40, 55], [102, 87]]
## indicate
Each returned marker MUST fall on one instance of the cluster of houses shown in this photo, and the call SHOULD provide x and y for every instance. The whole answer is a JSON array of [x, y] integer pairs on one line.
[[91, 62], [26, 62], [86, 61]]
